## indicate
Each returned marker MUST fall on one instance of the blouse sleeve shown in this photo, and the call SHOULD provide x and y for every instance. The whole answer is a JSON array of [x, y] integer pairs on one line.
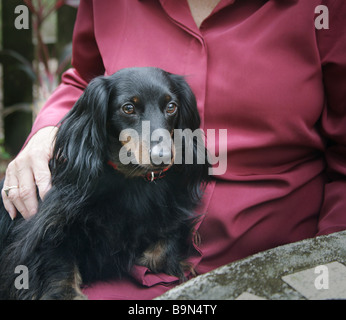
[[87, 64], [332, 47]]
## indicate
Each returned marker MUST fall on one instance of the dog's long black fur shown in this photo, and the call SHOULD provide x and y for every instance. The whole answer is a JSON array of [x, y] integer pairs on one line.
[[98, 220]]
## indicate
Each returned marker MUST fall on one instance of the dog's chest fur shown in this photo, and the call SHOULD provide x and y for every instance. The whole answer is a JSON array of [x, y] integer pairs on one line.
[[123, 219]]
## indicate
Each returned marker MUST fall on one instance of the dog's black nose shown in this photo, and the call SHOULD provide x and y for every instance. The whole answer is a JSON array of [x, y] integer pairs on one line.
[[160, 155]]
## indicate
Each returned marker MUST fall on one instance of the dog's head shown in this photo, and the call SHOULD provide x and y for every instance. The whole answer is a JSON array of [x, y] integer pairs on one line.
[[128, 119], [145, 106]]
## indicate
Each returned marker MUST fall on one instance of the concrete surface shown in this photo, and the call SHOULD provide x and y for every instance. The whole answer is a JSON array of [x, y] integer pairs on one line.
[[309, 269]]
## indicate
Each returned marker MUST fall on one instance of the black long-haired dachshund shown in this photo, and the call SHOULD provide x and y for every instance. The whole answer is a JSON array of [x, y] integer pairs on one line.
[[123, 189]]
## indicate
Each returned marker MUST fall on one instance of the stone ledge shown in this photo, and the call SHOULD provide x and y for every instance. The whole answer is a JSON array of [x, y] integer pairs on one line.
[[274, 274]]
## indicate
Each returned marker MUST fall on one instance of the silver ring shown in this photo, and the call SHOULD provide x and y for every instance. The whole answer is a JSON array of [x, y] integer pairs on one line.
[[7, 189]]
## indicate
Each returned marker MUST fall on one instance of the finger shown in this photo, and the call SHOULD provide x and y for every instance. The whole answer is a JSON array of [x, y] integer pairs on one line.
[[10, 208], [27, 194], [42, 177], [11, 200], [9, 180], [14, 199], [24, 197]]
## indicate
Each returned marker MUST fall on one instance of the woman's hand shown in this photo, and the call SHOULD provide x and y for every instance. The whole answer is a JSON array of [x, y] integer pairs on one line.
[[28, 170]]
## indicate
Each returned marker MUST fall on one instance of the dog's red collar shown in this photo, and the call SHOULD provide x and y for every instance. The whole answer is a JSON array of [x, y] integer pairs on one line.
[[150, 176]]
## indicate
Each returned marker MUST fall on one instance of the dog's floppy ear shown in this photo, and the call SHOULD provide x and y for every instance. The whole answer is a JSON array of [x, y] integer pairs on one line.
[[81, 142], [188, 118]]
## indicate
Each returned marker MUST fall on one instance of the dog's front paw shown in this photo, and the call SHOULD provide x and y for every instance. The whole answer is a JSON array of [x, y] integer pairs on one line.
[[154, 258], [159, 258]]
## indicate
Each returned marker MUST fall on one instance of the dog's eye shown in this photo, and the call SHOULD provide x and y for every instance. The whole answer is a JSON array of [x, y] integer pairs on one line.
[[128, 108], [171, 108]]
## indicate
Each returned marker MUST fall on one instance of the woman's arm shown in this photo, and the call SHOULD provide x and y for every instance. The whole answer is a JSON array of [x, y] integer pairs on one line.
[[30, 168]]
